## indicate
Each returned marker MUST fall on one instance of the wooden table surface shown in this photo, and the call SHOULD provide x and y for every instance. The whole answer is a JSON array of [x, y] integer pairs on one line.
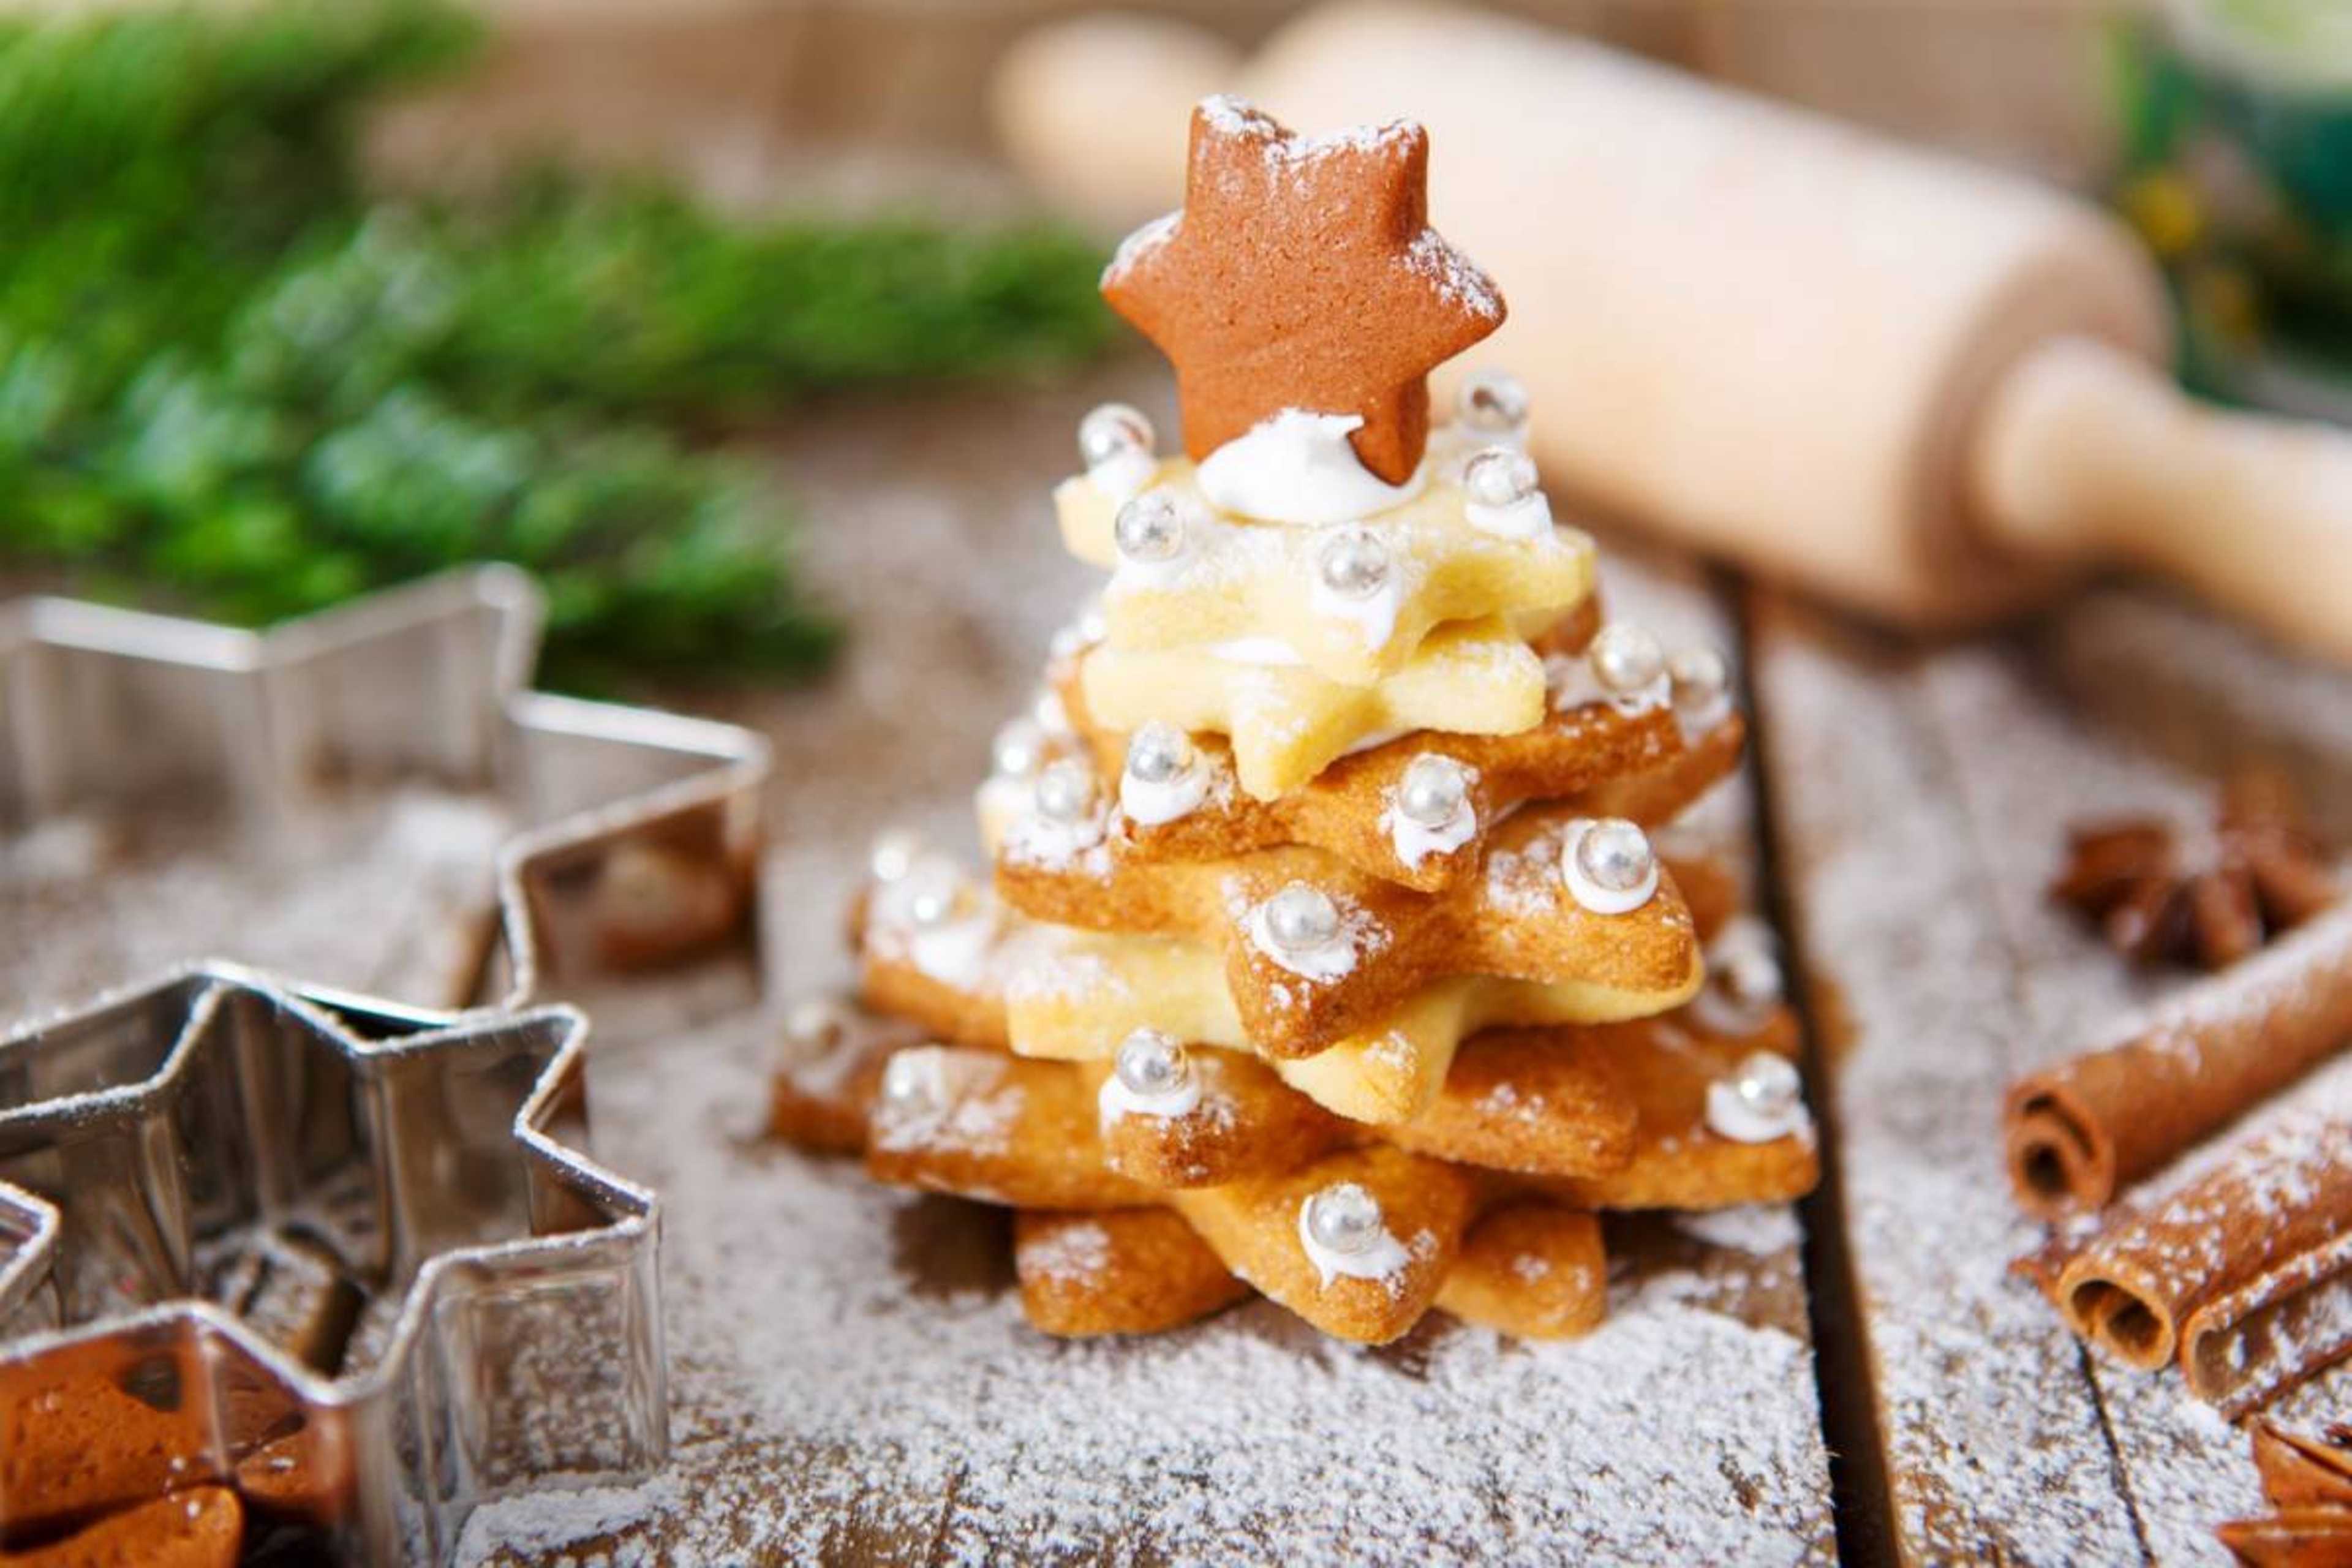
[[850, 1378]]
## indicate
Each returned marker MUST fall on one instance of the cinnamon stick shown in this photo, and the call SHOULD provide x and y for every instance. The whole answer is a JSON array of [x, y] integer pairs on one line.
[[2243, 1273], [2080, 1131]]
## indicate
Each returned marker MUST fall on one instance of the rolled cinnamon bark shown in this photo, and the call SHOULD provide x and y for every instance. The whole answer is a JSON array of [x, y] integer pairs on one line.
[[2080, 1131], [2244, 1273]]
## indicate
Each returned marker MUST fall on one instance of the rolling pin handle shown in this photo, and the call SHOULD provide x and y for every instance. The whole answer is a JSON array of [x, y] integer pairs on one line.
[[2085, 453]]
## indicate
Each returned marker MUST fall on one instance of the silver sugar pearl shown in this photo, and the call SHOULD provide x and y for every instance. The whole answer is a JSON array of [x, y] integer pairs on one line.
[[893, 854], [934, 892], [1499, 477], [1493, 402], [1700, 676], [1352, 561], [905, 1084], [1627, 657], [1432, 789], [1615, 855], [1019, 749], [1344, 1217], [1065, 791], [1152, 1064], [1046, 712], [1768, 1084], [1112, 431], [1150, 529], [1159, 753], [1300, 918]]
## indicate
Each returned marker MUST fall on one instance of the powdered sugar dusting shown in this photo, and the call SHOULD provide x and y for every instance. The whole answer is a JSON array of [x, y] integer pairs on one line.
[[1453, 275], [823, 1408], [1994, 1440], [1076, 1252]]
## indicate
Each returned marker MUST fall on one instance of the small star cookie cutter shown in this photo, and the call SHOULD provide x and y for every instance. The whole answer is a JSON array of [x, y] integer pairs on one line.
[[639, 832], [341, 1255]]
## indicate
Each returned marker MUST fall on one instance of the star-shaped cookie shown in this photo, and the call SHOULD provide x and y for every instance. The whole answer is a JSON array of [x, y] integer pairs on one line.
[[1301, 273], [1266, 582], [1373, 944]]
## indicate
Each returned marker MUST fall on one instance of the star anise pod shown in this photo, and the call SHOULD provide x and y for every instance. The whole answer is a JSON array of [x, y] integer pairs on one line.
[[2307, 1481], [2208, 897]]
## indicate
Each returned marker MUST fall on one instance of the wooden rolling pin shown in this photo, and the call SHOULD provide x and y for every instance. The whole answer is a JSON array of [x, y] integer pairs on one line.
[[1927, 390]]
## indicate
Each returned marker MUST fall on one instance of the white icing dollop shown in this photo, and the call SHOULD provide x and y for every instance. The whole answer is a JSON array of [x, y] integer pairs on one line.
[[1043, 840], [1150, 805], [1125, 475], [1743, 978], [1333, 960], [1529, 517], [1384, 1258], [955, 954], [1374, 616], [1115, 1100], [1592, 895], [1744, 1119], [1414, 843], [1297, 467], [1574, 685]]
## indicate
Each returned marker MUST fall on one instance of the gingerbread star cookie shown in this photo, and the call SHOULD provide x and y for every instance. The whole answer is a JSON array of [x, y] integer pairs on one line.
[[1302, 275]]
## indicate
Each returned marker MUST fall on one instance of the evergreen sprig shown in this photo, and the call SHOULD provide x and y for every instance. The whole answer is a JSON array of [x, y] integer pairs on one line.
[[228, 374]]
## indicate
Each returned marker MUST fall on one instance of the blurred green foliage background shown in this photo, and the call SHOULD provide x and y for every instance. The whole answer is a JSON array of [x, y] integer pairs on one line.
[[229, 372]]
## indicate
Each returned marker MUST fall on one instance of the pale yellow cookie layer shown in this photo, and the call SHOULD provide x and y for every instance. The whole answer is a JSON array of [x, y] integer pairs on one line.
[[1244, 581], [1288, 723], [1076, 996]]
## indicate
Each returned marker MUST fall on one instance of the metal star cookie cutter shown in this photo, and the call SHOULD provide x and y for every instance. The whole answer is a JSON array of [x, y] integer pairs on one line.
[[339, 1253], [638, 836]]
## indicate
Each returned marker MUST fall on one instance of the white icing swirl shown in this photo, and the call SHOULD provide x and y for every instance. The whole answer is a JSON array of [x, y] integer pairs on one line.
[[1125, 476], [1415, 843], [1731, 1114], [1115, 1100], [1529, 517], [1150, 805], [1384, 1258], [1601, 901], [1374, 616], [955, 954], [1574, 685], [1334, 960], [1297, 467]]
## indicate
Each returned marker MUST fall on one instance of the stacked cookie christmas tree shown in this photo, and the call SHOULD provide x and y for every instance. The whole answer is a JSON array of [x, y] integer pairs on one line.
[[1326, 953]]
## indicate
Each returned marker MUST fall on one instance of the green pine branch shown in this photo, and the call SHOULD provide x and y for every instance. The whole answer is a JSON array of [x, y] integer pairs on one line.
[[228, 373]]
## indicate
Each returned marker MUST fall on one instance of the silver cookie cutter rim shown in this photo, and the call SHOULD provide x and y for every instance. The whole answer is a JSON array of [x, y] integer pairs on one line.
[[404, 1507], [275, 716], [430, 678]]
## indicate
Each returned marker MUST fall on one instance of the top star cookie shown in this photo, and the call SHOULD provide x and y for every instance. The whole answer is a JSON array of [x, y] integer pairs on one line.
[[1302, 274]]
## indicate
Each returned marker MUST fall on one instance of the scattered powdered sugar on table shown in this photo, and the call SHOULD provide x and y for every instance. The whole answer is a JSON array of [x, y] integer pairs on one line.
[[1993, 1437], [1932, 808], [841, 1387], [384, 890]]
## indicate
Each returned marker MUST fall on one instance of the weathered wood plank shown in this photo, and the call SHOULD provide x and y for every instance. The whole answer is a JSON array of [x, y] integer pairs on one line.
[[2047, 756], [2004, 743], [1995, 1444]]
